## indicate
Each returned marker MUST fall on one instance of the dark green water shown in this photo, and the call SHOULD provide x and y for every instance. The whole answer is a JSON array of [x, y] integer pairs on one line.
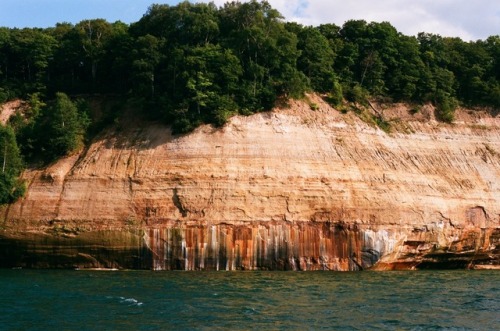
[[142, 300]]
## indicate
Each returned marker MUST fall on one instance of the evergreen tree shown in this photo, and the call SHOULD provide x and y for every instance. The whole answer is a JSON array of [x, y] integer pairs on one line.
[[11, 187], [65, 127]]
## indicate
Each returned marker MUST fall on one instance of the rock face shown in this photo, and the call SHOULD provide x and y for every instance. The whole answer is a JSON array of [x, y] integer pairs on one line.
[[290, 189]]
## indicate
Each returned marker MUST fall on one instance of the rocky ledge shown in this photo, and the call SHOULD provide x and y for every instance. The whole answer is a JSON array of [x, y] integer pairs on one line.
[[291, 189]]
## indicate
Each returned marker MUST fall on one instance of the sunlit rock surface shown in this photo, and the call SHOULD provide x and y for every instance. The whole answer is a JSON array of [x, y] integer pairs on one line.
[[292, 189]]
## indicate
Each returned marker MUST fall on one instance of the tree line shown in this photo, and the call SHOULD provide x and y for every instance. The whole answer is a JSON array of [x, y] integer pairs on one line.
[[198, 63]]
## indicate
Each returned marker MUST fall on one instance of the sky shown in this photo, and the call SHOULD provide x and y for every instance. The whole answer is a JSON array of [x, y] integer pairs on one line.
[[467, 19]]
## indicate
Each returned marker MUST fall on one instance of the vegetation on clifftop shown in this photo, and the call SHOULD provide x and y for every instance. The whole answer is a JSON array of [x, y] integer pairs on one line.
[[194, 63], [197, 63]]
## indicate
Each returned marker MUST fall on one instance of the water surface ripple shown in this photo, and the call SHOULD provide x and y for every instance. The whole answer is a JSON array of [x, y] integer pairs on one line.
[[142, 300]]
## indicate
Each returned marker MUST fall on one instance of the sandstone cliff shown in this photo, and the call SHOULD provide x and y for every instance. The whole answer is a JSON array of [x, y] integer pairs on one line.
[[288, 189]]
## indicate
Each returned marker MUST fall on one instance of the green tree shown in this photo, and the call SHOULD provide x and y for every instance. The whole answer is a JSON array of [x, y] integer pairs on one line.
[[4, 63], [115, 62], [30, 53], [11, 186], [336, 95], [25, 126], [445, 107], [332, 33], [352, 53], [403, 75], [267, 50], [316, 58], [209, 77], [146, 58], [68, 72], [64, 128], [93, 37]]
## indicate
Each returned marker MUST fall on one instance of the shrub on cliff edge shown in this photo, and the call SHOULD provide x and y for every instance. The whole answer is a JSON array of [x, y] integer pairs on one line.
[[445, 107]]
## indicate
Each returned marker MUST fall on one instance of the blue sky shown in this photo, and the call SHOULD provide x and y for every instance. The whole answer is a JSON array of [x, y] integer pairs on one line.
[[46, 13], [468, 19]]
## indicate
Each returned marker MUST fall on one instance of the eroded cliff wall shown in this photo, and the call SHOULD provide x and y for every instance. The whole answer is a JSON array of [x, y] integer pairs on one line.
[[288, 189]]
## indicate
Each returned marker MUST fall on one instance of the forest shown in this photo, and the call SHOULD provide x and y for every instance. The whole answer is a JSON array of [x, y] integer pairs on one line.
[[190, 64]]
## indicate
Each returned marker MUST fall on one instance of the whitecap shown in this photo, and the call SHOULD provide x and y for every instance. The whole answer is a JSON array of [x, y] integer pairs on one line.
[[131, 301]]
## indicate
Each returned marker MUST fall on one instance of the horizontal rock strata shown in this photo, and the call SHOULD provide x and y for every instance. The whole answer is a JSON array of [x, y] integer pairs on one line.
[[290, 189]]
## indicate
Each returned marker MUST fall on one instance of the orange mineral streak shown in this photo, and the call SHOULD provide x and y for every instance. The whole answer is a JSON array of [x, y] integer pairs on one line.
[[302, 246]]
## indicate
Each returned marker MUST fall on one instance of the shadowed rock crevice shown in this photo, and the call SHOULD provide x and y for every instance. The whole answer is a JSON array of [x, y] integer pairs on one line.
[[177, 203]]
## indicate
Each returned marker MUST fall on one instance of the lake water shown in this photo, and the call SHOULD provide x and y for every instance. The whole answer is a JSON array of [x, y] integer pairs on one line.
[[147, 300]]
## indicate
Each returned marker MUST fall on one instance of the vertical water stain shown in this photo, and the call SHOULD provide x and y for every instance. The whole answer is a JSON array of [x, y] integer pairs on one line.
[[263, 246]]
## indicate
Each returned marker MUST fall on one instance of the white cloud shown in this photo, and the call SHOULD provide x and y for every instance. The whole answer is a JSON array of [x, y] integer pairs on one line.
[[466, 19]]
